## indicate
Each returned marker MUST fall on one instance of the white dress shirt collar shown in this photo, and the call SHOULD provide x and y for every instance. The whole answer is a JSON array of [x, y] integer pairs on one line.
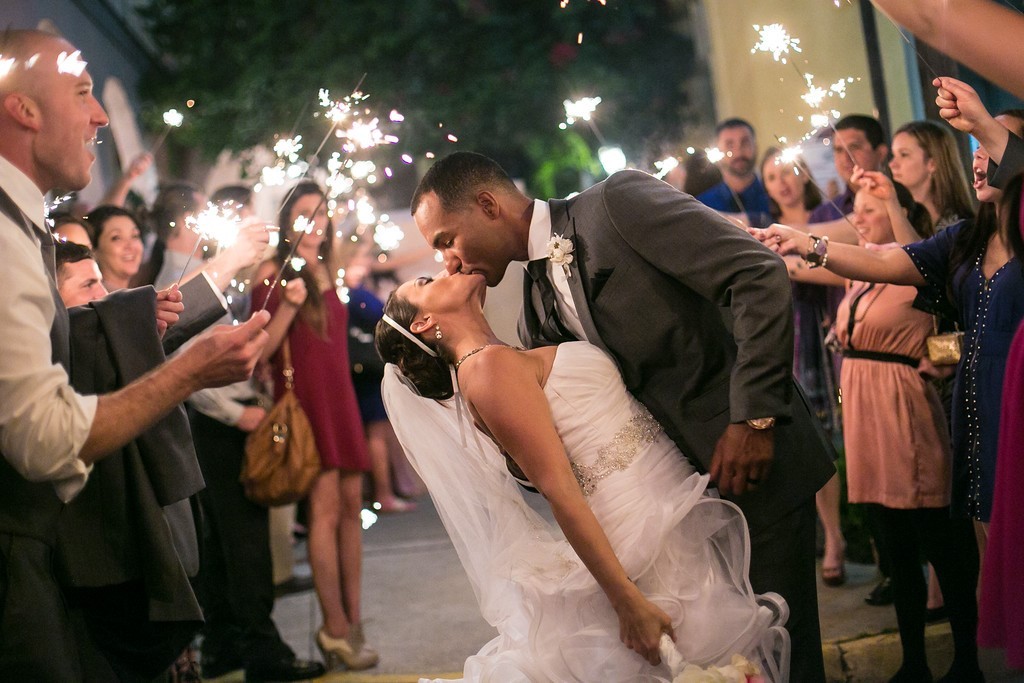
[[540, 231]]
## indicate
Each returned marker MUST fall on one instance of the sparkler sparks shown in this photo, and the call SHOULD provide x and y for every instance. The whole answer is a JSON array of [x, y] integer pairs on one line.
[[714, 154], [580, 110], [288, 148], [6, 65], [304, 225], [789, 155], [174, 118], [217, 222], [71, 63], [665, 165], [814, 95], [338, 110], [775, 39]]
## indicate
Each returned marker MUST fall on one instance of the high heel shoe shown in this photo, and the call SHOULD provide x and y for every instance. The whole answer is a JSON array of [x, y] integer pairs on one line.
[[352, 652]]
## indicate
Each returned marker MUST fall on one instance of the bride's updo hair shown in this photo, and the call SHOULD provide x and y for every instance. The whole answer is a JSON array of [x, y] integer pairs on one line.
[[430, 375]]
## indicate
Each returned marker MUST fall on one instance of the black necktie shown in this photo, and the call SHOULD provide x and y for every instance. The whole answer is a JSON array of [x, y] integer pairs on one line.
[[550, 326]]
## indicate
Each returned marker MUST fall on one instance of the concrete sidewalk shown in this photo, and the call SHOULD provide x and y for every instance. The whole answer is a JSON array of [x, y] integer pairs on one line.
[[421, 615]]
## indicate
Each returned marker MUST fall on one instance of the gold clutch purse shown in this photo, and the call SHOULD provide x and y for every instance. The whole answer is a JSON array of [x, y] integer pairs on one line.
[[945, 348]]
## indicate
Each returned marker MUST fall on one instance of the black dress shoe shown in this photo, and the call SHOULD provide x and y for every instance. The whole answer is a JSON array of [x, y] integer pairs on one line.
[[881, 594], [287, 669], [936, 614]]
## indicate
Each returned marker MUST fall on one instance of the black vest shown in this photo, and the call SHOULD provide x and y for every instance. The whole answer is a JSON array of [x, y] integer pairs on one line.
[[26, 508]]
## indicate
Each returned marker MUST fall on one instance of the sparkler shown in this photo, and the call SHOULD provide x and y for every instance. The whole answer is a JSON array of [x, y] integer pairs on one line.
[[173, 119], [580, 110], [714, 154], [583, 110], [793, 155], [303, 226], [219, 223], [6, 65], [775, 39], [336, 111], [665, 165], [71, 63]]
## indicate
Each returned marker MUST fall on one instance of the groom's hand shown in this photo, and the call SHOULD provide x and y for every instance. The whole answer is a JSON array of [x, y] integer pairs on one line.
[[742, 458]]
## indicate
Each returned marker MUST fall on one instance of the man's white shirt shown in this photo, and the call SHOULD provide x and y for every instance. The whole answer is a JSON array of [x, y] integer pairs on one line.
[[43, 422], [537, 247]]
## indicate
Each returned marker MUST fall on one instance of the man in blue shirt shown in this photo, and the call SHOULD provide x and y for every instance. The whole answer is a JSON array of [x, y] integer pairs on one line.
[[741, 190]]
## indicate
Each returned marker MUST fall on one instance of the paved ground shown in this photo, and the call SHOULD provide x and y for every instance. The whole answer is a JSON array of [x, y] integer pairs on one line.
[[421, 615]]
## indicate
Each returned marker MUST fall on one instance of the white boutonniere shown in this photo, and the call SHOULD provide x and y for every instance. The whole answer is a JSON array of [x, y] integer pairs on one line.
[[559, 252]]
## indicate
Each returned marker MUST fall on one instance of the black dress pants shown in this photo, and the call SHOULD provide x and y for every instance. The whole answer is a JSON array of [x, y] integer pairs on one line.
[[236, 579], [37, 642], [782, 560]]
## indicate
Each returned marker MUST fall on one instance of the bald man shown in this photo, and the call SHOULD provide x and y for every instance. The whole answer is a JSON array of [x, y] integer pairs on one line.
[[50, 436]]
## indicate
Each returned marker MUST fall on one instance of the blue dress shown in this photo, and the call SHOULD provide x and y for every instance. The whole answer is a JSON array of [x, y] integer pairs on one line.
[[989, 312], [364, 311]]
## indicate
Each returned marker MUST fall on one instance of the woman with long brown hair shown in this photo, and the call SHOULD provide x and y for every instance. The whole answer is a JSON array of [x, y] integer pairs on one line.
[[310, 326]]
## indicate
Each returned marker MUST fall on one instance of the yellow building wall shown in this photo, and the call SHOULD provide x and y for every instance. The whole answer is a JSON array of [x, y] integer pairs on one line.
[[767, 93]]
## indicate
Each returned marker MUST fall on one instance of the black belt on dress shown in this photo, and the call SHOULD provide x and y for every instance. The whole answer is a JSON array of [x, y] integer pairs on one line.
[[884, 357]]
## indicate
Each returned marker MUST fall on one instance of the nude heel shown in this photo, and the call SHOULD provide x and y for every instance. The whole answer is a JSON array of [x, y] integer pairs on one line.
[[353, 652]]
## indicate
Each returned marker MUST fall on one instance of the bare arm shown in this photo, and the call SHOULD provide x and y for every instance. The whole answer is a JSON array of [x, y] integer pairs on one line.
[[893, 266], [879, 185], [246, 251], [117, 195], [293, 296], [967, 30], [220, 356], [839, 231], [961, 107], [799, 271], [494, 380]]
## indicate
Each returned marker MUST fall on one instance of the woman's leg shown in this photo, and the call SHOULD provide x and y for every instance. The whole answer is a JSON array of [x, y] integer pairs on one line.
[[349, 530], [407, 483], [950, 546], [899, 539], [324, 551], [383, 493], [935, 600], [981, 536], [827, 502]]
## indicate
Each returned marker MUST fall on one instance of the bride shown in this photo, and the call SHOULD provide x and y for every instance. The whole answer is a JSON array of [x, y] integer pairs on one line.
[[647, 573]]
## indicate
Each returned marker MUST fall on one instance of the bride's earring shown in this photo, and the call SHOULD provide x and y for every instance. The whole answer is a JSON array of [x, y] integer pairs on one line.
[[437, 331]]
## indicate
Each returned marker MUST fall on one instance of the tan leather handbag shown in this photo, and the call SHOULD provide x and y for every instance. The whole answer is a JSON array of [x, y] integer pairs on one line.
[[281, 458]]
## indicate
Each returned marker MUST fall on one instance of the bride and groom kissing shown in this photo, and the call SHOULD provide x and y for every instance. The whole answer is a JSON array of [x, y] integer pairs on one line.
[[688, 328]]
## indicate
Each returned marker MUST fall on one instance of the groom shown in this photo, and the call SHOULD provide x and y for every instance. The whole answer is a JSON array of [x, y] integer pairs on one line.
[[698, 316]]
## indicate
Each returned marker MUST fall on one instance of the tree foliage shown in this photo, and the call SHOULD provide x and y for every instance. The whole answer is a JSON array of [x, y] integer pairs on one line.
[[492, 72]]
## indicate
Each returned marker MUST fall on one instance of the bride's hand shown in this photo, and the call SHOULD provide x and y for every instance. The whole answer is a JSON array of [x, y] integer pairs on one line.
[[641, 624]]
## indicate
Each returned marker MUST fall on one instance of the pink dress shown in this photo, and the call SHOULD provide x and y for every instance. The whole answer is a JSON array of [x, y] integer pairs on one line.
[[897, 443], [323, 383], [1000, 622]]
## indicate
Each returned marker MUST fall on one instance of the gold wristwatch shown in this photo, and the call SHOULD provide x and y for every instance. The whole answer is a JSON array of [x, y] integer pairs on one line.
[[761, 423]]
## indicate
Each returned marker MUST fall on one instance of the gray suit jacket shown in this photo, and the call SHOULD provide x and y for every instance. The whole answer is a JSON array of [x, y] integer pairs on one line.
[[133, 519], [698, 315]]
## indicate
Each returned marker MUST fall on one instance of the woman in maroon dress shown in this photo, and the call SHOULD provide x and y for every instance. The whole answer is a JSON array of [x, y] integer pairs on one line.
[[314, 322], [1000, 624]]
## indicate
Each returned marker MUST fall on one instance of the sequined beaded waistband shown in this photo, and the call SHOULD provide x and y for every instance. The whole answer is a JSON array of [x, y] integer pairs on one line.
[[641, 430]]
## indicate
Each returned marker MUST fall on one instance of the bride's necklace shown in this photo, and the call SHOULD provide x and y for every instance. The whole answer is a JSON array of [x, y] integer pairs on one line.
[[478, 350]]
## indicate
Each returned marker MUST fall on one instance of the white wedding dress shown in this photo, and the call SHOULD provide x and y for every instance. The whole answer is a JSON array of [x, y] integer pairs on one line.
[[688, 552]]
